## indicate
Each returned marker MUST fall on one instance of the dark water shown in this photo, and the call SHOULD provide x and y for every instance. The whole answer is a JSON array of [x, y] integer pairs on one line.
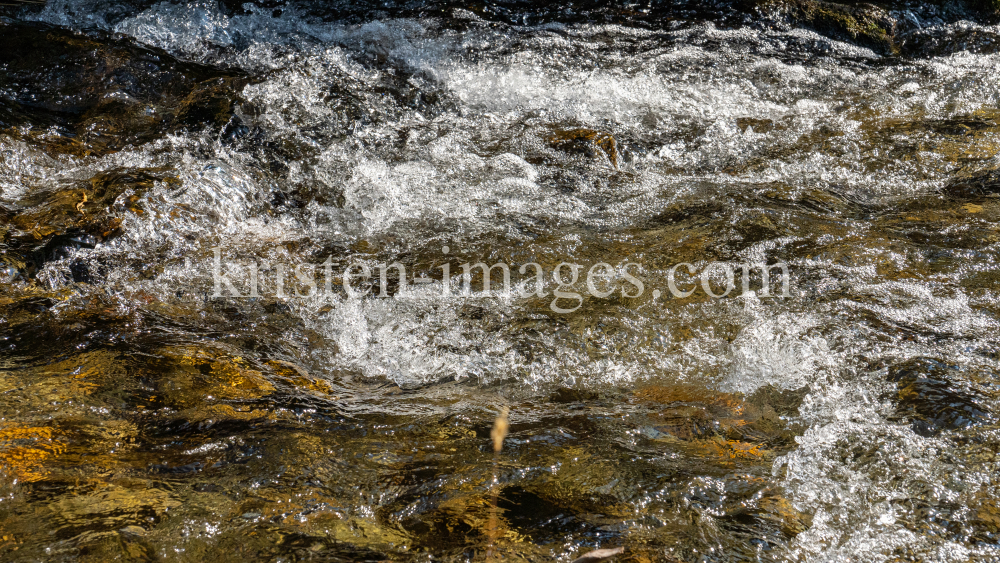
[[143, 419]]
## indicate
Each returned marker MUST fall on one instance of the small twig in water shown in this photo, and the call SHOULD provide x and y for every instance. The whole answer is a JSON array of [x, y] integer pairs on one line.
[[499, 432], [599, 555]]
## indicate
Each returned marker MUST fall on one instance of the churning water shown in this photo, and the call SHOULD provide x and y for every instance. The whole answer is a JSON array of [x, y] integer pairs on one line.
[[142, 418]]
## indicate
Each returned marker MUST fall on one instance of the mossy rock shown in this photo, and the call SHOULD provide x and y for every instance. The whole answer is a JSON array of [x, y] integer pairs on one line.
[[863, 24]]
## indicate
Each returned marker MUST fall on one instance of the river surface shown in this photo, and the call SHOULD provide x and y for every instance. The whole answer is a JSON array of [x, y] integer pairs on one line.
[[144, 418]]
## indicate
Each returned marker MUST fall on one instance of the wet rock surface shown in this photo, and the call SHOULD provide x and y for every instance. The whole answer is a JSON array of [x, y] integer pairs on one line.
[[92, 93], [933, 403], [974, 185]]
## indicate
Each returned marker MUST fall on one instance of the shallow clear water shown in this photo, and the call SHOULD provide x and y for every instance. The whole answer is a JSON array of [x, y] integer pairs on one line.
[[141, 418]]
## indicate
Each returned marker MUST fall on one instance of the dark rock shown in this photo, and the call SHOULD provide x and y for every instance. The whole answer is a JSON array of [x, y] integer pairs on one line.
[[784, 402], [566, 395], [593, 144], [758, 125], [104, 92], [51, 224], [942, 41], [973, 186], [930, 400], [80, 272]]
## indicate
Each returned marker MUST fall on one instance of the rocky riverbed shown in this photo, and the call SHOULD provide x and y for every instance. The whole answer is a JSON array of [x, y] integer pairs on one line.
[[147, 415]]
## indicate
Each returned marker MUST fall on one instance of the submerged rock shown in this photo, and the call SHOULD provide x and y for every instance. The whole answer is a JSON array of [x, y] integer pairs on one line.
[[724, 427], [930, 400], [49, 224], [102, 93], [941, 41], [974, 185], [589, 142], [24, 450]]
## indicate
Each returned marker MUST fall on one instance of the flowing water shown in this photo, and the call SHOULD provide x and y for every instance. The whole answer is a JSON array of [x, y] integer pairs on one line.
[[141, 418]]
